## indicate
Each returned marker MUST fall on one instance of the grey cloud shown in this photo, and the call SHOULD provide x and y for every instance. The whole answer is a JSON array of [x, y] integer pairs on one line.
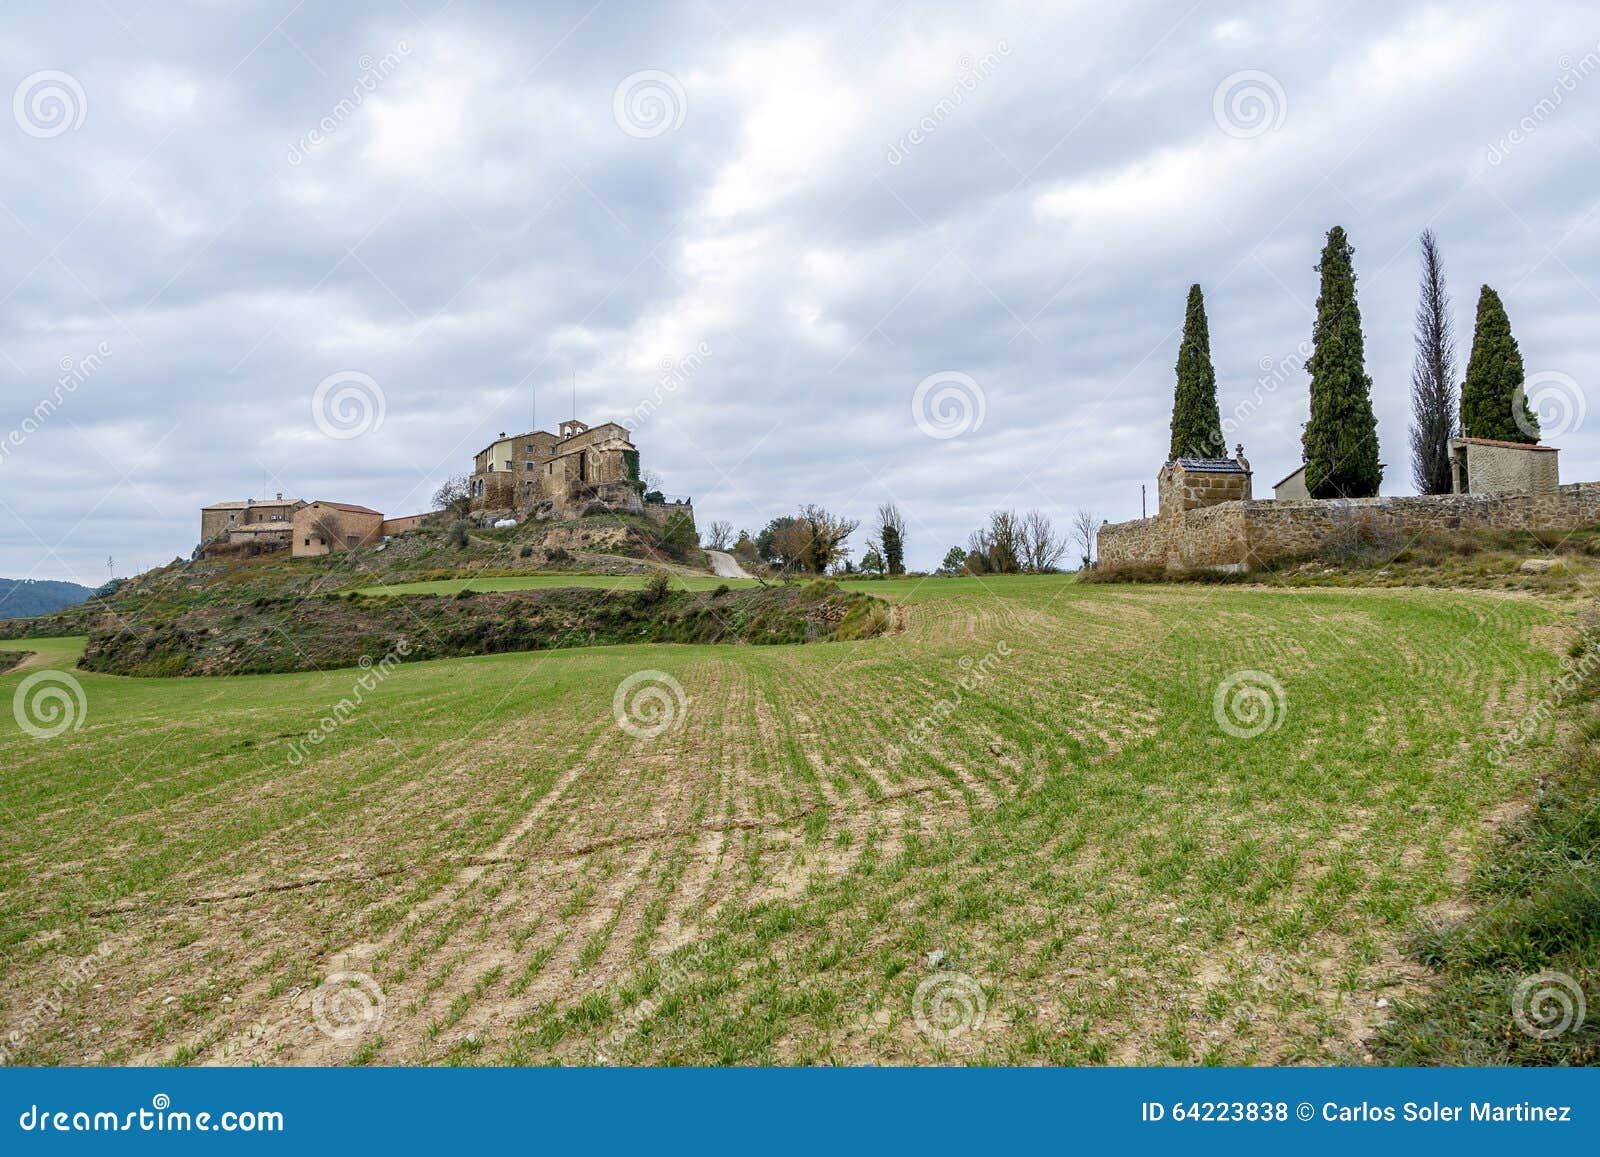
[[478, 229]]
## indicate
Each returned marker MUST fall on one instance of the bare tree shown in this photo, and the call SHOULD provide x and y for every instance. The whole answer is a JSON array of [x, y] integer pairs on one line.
[[719, 536], [998, 547], [454, 496], [1041, 549], [892, 538], [330, 531], [1085, 526], [1433, 390]]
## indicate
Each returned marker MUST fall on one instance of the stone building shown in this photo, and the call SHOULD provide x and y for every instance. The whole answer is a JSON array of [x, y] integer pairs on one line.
[[557, 475], [1292, 486], [405, 522], [322, 527], [249, 519], [1487, 466], [1190, 483]]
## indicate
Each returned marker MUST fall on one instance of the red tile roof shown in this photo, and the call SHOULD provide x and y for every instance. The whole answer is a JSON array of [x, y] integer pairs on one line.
[[349, 506], [1498, 442]]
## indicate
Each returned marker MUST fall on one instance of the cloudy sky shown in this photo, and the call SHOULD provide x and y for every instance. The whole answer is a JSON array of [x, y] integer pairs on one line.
[[835, 253]]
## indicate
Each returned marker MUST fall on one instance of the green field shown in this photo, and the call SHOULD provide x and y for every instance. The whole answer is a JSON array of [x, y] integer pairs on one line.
[[1072, 842], [621, 582], [885, 588]]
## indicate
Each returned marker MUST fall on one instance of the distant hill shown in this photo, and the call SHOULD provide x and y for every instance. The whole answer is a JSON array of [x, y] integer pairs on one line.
[[20, 598]]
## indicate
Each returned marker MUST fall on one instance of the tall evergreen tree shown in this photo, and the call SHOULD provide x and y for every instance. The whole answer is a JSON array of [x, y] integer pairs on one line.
[[1492, 402], [1341, 437], [1196, 421], [1433, 378]]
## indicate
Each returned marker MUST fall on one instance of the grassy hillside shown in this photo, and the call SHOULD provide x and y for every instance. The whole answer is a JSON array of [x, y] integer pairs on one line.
[[310, 634], [604, 550], [1026, 802]]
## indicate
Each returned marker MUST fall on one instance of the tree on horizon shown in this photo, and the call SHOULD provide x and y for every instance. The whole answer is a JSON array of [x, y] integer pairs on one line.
[[1493, 404], [1433, 374], [1341, 438], [1196, 420]]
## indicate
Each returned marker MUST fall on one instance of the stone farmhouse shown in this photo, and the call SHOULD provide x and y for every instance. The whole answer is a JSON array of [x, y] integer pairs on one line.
[[267, 521], [1208, 517], [306, 529], [323, 527]]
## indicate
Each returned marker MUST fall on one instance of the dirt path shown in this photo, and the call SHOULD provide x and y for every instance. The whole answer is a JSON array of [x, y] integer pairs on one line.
[[724, 565]]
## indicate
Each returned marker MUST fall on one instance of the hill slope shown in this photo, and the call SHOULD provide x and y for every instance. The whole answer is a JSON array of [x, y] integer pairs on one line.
[[20, 598]]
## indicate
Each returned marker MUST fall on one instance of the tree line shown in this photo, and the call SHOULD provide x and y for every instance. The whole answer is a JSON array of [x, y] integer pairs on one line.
[[1339, 441], [813, 540]]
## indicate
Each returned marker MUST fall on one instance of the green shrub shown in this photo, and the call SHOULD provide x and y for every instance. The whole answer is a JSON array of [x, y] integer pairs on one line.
[[657, 588], [678, 535]]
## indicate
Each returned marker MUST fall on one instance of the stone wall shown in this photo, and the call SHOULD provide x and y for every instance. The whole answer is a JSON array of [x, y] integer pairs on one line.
[[661, 511], [1241, 535]]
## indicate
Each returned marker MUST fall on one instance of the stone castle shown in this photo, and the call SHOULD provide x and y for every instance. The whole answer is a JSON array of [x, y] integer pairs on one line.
[[557, 475], [578, 470]]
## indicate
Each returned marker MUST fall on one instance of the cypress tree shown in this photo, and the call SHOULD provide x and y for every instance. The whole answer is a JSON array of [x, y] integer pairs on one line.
[[1492, 402], [1341, 437], [1196, 421], [1433, 380]]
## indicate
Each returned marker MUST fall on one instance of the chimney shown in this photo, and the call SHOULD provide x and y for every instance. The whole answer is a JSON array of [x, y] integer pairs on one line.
[[280, 496]]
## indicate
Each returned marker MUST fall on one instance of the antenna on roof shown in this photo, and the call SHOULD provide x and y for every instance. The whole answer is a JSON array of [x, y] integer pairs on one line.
[[574, 395]]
